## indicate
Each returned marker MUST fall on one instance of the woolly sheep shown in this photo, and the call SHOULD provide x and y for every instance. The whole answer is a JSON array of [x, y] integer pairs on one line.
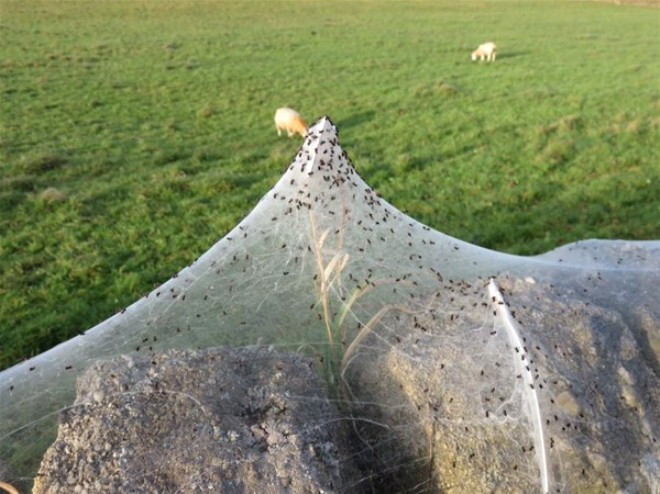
[[485, 51], [290, 121]]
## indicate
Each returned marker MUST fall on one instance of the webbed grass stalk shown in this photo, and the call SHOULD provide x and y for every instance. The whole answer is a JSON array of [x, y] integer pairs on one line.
[[336, 331], [530, 394], [326, 276], [329, 275]]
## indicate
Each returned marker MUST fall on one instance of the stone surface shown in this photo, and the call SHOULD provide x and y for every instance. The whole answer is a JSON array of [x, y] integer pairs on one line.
[[216, 420], [438, 403], [447, 412]]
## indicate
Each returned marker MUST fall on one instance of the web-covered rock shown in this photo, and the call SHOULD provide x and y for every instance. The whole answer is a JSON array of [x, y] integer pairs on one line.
[[216, 420], [326, 267]]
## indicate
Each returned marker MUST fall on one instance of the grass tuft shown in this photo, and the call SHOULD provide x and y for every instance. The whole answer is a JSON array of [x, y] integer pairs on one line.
[[52, 196]]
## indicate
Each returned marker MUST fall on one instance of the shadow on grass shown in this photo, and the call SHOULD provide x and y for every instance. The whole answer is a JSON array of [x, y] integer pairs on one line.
[[42, 163], [512, 54], [356, 119]]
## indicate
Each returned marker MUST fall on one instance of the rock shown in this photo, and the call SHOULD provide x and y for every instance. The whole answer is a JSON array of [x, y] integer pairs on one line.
[[444, 405], [221, 420]]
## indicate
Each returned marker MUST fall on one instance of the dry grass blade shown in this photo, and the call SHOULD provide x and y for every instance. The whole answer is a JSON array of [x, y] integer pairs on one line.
[[8, 488], [364, 332], [322, 286]]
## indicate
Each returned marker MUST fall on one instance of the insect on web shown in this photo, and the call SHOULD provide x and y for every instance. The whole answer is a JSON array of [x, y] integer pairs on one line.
[[455, 367]]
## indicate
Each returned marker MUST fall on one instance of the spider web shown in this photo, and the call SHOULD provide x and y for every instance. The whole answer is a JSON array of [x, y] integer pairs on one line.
[[458, 368]]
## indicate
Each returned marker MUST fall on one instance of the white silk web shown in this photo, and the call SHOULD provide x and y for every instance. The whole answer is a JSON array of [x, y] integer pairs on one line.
[[457, 368]]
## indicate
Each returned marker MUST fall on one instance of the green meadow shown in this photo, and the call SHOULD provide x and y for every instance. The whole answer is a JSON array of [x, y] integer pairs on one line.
[[135, 134]]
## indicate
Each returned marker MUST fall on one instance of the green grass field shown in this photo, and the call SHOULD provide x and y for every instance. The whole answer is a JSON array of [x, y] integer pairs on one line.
[[135, 134]]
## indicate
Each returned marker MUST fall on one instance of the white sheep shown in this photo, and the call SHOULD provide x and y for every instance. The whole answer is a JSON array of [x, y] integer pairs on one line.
[[290, 121], [485, 51]]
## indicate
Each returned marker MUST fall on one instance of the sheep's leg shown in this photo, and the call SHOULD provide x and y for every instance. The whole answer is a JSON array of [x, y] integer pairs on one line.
[[290, 133], [279, 131], [494, 56]]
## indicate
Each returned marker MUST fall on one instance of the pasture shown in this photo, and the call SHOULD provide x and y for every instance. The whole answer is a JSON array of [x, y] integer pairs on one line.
[[135, 134]]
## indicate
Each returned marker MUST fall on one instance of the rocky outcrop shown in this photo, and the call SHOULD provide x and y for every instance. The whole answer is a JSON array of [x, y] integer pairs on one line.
[[444, 387], [438, 399], [221, 420]]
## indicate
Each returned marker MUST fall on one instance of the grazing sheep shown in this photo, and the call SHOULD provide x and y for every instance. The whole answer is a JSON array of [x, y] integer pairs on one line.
[[290, 121], [485, 51]]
